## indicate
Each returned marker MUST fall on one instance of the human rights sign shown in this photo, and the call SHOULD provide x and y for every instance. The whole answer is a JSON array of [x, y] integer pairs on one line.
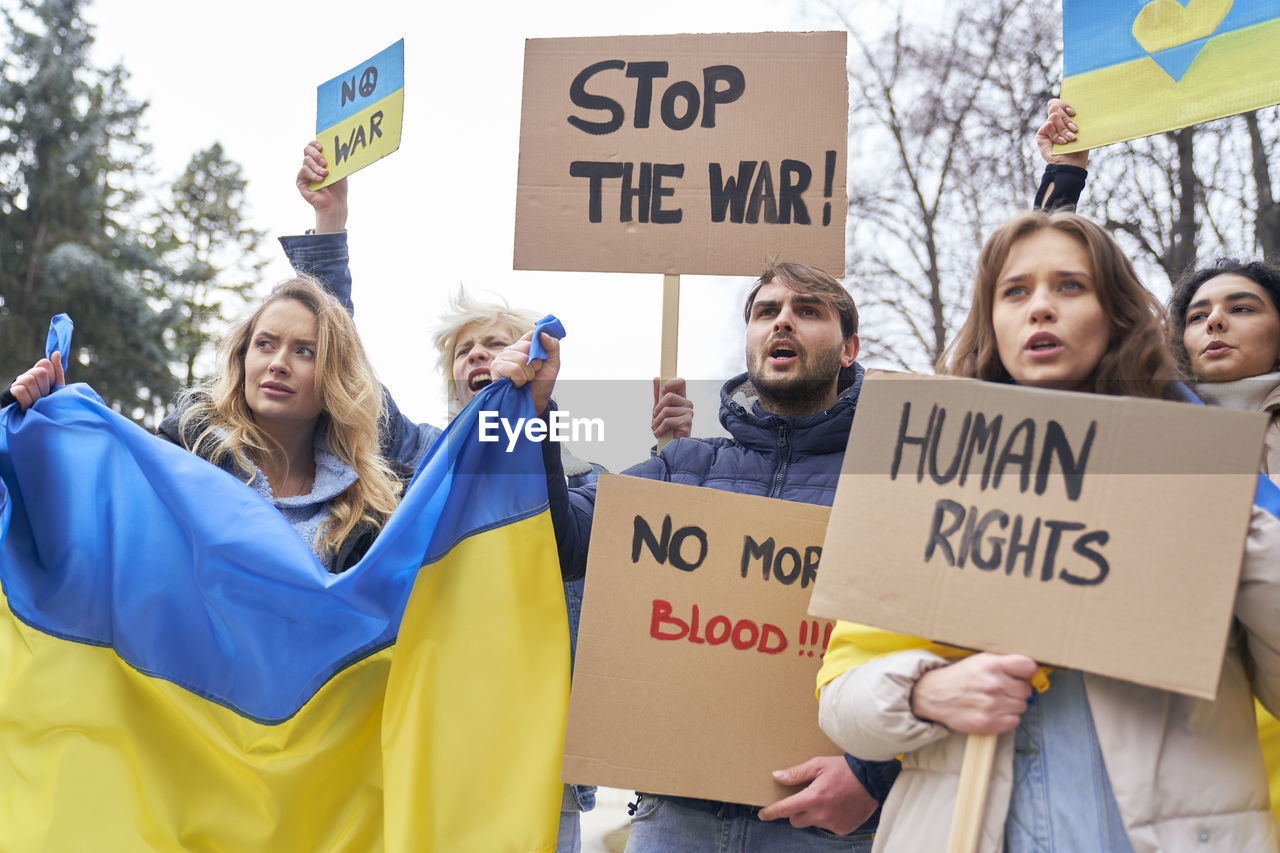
[[1046, 523]]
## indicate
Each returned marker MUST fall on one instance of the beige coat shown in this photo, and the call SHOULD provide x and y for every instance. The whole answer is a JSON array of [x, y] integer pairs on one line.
[[1187, 773], [1268, 727], [1271, 456]]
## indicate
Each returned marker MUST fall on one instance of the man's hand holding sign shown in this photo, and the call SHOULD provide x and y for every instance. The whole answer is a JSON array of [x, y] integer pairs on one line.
[[832, 798]]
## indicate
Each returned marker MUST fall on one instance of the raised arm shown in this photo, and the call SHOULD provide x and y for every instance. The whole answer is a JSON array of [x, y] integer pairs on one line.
[[1064, 174], [330, 203], [324, 255], [322, 252]]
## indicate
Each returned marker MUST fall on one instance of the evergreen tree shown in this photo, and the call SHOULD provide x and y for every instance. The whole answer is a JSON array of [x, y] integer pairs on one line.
[[212, 250], [69, 159]]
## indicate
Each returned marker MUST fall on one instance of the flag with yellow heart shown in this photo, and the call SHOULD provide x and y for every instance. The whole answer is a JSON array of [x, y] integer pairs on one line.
[[1132, 68]]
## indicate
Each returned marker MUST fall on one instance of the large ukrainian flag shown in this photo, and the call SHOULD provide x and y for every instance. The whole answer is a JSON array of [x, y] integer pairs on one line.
[[178, 673], [1132, 68]]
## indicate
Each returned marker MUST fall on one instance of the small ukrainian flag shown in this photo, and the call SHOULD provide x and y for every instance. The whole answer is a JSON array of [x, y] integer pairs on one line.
[[359, 113], [1133, 68]]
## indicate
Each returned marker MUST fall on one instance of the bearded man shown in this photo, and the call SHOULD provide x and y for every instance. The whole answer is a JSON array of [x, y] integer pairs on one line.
[[789, 417]]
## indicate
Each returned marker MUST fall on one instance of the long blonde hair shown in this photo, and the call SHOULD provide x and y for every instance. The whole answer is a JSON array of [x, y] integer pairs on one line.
[[217, 415], [1136, 361]]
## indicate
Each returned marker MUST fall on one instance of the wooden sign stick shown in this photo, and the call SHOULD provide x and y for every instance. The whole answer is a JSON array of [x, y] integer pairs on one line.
[[971, 799], [670, 336]]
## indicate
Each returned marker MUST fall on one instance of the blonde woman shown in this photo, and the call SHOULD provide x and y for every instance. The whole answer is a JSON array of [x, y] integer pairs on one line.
[[294, 412]]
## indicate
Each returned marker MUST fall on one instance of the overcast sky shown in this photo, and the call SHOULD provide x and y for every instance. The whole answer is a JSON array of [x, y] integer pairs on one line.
[[441, 210]]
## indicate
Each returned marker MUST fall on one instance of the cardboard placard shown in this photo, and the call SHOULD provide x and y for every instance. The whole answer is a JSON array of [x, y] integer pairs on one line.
[[359, 114], [1087, 531], [696, 659], [683, 154]]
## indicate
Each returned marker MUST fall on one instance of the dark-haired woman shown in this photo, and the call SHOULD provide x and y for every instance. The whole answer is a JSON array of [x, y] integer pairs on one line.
[[1094, 763]]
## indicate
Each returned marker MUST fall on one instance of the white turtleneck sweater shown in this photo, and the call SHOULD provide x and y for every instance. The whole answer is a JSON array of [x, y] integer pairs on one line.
[[1242, 395], [1248, 395]]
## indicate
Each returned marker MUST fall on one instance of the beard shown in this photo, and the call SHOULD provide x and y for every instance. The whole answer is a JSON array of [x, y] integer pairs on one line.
[[805, 389]]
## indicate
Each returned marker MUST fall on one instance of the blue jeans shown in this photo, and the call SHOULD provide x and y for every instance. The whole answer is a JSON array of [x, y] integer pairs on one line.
[[661, 826], [569, 838]]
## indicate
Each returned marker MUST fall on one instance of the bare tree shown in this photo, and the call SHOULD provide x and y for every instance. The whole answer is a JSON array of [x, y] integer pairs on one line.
[[945, 102], [942, 118], [1263, 127], [1179, 199], [1149, 193]]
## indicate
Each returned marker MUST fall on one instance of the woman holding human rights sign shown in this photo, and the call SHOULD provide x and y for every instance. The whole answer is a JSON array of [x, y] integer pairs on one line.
[[1224, 330], [1083, 762]]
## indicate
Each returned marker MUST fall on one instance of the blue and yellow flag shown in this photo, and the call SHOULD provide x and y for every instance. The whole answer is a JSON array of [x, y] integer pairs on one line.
[[178, 672], [1132, 68]]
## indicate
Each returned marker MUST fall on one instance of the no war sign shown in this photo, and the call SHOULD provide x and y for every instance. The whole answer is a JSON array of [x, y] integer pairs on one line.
[[359, 113]]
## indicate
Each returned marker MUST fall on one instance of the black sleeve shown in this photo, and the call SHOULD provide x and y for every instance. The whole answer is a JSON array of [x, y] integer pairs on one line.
[[1060, 187], [573, 510], [876, 776]]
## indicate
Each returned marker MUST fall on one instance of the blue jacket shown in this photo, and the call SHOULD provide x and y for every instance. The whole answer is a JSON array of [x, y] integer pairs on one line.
[[777, 456]]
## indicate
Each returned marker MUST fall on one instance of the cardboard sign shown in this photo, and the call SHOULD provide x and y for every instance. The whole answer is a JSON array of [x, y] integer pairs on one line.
[[359, 114], [683, 153], [696, 660], [1132, 68], [1087, 531]]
